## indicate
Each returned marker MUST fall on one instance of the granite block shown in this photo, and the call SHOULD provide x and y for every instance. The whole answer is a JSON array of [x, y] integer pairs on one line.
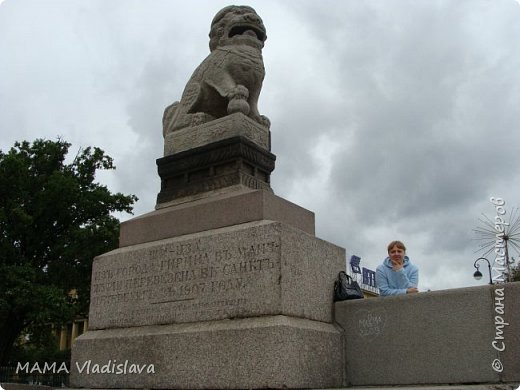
[[214, 167], [507, 310], [24, 386], [233, 125], [263, 352], [211, 213], [427, 338], [253, 269]]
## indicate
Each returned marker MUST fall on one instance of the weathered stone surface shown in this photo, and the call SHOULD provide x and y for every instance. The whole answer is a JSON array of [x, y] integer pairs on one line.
[[215, 212], [229, 80], [234, 125], [428, 338], [23, 386], [495, 386], [229, 162], [508, 313], [254, 269], [263, 352]]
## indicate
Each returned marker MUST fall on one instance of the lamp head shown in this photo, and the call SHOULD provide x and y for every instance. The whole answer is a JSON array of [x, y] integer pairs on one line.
[[477, 275]]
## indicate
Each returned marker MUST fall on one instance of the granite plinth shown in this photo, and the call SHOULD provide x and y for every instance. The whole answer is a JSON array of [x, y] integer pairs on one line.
[[233, 125], [212, 213], [253, 269], [263, 352], [215, 166]]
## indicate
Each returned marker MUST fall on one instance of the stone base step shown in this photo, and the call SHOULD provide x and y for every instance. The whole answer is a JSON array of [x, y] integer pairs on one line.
[[510, 386], [490, 386]]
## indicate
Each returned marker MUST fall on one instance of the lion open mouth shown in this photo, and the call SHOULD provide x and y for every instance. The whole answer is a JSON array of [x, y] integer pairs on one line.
[[244, 30]]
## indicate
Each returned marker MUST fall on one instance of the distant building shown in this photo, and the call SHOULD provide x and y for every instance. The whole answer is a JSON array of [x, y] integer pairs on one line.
[[68, 333], [364, 276]]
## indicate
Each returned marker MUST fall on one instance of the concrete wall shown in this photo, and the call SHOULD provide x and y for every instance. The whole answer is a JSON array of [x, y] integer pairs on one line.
[[440, 337]]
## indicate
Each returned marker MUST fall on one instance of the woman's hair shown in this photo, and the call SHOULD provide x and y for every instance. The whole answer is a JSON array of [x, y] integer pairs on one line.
[[398, 244]]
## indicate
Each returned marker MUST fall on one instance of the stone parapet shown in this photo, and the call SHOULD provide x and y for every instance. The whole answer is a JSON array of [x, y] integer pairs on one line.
[[440, 337]]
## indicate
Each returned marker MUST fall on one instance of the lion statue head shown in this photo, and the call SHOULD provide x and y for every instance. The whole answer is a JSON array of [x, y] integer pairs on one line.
[[237, 25]]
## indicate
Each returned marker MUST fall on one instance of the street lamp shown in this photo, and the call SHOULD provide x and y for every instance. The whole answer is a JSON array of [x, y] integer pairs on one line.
[[478, 275]]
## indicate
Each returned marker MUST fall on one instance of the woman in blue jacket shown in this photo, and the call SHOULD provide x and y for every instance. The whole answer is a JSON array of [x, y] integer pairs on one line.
[[397, 275]]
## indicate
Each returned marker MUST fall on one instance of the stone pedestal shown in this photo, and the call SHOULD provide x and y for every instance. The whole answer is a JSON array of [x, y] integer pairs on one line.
[[224, 285], [232, 291]]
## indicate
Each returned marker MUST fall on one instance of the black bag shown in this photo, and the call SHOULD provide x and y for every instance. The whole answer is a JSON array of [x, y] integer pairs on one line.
[[345, 288]]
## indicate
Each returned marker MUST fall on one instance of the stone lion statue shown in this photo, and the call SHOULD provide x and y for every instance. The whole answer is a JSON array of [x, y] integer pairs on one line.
[[230, 78]]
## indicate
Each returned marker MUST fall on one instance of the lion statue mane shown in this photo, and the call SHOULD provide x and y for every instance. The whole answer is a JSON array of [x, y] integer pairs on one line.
[[229, 80]]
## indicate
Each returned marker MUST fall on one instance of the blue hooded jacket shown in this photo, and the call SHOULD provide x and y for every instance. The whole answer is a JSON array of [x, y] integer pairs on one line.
[[392, 282]]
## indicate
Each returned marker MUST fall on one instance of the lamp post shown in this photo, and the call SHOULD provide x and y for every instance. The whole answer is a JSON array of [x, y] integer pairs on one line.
[[478, 275]]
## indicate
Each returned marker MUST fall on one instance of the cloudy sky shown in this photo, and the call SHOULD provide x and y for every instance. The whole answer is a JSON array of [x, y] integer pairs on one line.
[[391, 119]]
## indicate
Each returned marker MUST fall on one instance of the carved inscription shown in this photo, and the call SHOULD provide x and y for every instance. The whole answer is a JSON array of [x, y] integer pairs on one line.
[[184, 281], [216, 130]]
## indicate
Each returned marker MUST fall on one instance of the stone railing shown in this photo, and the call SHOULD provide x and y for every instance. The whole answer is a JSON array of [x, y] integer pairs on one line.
[[459, 336]]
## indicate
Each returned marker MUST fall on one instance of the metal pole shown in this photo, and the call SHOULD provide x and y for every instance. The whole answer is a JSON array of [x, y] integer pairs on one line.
[[489, 267]]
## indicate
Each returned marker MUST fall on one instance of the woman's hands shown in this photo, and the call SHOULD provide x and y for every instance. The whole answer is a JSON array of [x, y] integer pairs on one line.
[[397, 263]]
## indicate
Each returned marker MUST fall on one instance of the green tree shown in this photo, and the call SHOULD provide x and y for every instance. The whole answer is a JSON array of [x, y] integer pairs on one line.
[[54, 219], [515, 273]]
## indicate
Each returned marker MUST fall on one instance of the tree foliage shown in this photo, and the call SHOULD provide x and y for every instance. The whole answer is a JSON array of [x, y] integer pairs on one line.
[[515, 273], [54, 219]]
